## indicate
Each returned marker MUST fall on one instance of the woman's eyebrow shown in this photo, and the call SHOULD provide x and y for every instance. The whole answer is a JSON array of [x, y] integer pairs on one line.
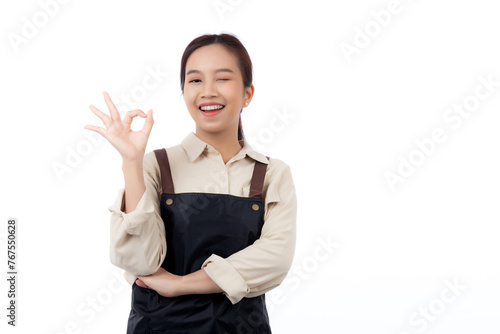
[[216, 71], [224, 70]]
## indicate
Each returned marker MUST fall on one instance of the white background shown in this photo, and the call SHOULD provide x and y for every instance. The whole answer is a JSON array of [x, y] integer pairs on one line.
[[351, 120]]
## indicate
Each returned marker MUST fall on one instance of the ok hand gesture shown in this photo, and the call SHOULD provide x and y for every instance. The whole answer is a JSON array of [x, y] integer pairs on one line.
[[130, 144]]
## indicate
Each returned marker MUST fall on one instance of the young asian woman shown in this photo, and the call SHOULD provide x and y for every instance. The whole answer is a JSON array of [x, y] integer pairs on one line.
[[205, 228]]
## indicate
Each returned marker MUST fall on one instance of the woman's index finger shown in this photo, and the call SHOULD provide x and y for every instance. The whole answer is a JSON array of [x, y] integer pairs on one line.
[[115, 115]]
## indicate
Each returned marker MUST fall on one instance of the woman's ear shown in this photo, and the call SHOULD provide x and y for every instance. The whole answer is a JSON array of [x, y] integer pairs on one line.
[[248, 94]]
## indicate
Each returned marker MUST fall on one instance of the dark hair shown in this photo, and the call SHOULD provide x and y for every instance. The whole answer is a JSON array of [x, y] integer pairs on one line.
[[233, 44]]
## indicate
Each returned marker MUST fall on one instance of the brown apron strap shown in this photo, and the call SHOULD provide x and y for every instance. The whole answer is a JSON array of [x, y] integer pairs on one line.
[[257, 182], [166, 175]]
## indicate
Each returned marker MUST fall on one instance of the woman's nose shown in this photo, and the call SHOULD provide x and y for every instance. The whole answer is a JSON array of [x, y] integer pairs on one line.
[[209, 90]]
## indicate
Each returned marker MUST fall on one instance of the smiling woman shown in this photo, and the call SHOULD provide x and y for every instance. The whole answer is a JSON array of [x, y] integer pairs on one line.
[[199, 261], [214, 85], [233, 52]]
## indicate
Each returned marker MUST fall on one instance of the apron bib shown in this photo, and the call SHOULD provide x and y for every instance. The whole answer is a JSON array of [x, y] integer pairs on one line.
[[198, 225]]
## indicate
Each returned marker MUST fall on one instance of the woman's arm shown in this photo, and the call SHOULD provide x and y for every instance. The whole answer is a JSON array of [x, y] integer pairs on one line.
[[135, 219], [263, 265], [137, 238], [171, 285], [134, 183]]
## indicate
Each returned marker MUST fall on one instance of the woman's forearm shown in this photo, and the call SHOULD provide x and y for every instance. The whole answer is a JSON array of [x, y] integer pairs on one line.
[[198, 282], [134, 183], [171, 285]]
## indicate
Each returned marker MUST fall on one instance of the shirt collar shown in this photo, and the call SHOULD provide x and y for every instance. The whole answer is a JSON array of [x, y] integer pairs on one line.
[[194, 147]]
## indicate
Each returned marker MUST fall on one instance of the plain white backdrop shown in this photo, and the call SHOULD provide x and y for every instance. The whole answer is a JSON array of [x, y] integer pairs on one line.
[[386, 111]]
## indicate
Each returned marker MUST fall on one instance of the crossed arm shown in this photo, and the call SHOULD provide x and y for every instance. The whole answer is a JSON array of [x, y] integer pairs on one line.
[[170, 285], [247, 273]]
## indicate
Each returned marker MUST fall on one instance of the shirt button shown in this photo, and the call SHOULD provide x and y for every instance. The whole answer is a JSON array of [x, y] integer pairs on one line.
[[169, 201], [255, 207]]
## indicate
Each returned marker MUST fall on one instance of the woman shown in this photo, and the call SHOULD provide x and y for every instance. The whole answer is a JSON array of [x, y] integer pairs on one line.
[[204, 228]]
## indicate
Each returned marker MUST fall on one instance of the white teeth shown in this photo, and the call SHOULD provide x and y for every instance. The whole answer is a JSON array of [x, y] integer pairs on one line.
[[212, 107]]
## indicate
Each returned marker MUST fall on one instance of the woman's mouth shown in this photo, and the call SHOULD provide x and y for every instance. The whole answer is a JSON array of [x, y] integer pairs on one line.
[[211, 110]]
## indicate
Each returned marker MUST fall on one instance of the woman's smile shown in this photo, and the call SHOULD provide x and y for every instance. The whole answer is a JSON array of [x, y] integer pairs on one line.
[[211, 108]]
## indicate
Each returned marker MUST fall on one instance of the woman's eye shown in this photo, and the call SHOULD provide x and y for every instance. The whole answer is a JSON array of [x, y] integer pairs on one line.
[[195, 80], [222, 79]]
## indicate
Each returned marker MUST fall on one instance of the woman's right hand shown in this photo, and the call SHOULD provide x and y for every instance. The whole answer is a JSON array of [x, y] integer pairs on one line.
[[130, 144]]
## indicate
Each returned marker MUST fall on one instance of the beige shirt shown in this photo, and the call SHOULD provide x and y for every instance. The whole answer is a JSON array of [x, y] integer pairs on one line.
[[138, 243]]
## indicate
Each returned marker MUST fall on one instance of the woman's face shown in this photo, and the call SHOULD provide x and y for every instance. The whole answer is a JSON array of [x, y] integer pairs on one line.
[[214, 91]]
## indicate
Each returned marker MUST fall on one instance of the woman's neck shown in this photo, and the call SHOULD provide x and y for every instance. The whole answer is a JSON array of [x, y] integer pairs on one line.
[[226, 144]]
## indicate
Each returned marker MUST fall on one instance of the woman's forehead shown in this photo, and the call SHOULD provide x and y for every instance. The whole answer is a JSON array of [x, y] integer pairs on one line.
[[213, 57]]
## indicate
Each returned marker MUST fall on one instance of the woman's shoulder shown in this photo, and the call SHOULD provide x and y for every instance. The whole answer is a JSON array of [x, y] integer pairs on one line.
[[276, 166], [151, 158], [278, 182]]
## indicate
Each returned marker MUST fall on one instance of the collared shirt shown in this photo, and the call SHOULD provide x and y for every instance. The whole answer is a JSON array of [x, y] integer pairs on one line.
[[138, 243]]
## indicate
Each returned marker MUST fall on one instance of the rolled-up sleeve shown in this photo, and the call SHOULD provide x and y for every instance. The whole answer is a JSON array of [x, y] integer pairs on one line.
[[263, 265], [137, 238]]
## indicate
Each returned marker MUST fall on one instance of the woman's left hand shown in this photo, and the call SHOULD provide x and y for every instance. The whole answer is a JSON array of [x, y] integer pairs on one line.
[[163, 282]]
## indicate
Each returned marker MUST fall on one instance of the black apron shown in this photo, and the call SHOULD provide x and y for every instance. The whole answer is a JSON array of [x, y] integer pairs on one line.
[[198, 225]]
